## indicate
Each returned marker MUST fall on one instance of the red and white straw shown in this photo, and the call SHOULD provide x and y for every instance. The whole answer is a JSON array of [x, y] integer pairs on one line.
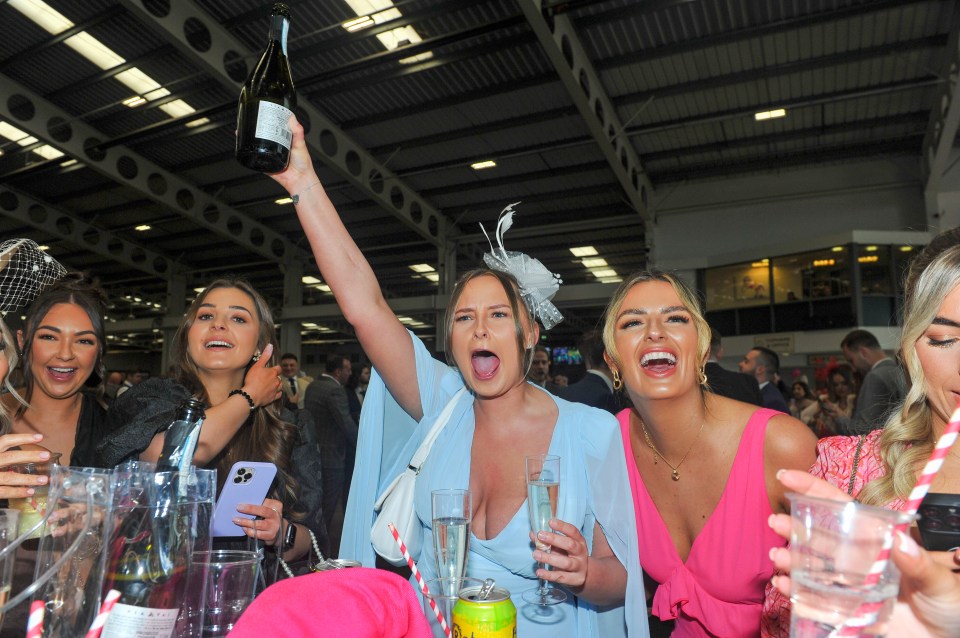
[[867, 614], [35, 620], [419, 577], [108, 602]]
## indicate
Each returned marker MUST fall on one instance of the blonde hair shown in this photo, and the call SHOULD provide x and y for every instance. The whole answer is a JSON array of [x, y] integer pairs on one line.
[[10, 352], [688, 297], [907, 439]]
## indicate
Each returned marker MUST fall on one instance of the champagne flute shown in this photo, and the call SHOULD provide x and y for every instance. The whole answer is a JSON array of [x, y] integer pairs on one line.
[[543, 492], [452, 513]]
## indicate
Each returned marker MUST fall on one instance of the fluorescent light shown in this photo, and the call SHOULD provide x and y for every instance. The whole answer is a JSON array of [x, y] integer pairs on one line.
[[309, 280], [403, 319], [906, 249], [69, 162], [358, 24], [322, 287], [479, 166], [47, 152], [432, 276], [604, 273], [95, 51], [596, 262], [421, 268], [200, 121], [43, 14], [610, 280], [584, 251], [44, 247], [134, 101], [837, 249], [201, 289], [177, 108], [284, 200], [769, 115], [870, 249], [143, 227]]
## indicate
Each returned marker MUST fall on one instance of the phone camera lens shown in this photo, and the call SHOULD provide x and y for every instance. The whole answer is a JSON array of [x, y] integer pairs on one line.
[[238, 479]]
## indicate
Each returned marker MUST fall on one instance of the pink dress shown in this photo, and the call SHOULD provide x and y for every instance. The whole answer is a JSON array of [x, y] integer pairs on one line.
[[719, 590]]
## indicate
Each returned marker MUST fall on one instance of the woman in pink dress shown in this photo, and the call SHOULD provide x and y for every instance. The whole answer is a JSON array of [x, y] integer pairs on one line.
[[702, 467]]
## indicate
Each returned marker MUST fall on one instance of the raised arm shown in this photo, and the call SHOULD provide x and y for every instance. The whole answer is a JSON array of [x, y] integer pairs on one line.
[[346, 271]]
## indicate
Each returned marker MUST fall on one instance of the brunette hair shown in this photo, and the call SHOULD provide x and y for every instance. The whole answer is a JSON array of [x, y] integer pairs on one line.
[[907, 439], [265, 436], [517, 307], [688, 297], [77, 289]]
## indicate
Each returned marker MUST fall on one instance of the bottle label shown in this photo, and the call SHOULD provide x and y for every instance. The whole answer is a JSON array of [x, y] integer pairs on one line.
[[128, 621], [273, 123]]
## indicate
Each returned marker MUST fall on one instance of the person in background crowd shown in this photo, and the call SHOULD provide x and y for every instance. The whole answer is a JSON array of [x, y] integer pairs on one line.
[[561, 381], [223, 351], [294, 384], [497, 418], [803, 404], [880, 467], [326, 401], [702, 467], [726, 383], [596, 386], [63, 342], [539, 373], [836, 407], [132, 378], [764, 365], [114, 379], [883, 386], [363, 380]]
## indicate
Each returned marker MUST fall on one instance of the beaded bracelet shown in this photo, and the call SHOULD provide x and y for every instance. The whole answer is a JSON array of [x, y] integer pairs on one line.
[[253, 406]]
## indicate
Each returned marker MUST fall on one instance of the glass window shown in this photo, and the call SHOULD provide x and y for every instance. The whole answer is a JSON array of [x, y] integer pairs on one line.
[[812, 275], [737, 286], [875, 275]]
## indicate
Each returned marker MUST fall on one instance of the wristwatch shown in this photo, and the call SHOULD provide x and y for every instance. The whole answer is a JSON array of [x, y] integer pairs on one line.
[[290, 537]]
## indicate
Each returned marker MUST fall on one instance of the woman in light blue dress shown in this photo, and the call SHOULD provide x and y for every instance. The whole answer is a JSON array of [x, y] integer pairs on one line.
[[491, 330]]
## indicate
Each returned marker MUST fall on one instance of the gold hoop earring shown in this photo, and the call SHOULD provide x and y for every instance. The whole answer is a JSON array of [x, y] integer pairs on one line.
[[617, 382]]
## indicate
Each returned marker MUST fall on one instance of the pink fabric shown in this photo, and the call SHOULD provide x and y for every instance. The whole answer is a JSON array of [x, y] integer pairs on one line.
[[357, 602], [719, 590], [834, 464]]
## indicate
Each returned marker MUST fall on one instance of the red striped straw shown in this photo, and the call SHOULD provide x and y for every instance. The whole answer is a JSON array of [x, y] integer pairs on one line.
[[867, 613], [420, 581], [108, 602], [35, 620]]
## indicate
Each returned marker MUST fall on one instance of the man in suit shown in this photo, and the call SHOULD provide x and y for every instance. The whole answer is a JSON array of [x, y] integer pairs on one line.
[[539, 373], [294, 385], [727, 383], [763, 364], [596, 386], [883, 387], [326, 401]]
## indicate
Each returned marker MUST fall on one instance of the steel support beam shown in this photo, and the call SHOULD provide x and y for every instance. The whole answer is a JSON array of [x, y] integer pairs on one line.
[[942, 128], [46, 121], [225, 57], [59, 223], [560, 42]]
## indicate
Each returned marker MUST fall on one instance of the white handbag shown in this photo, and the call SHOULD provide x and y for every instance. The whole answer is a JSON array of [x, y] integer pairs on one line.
[[395, 505]]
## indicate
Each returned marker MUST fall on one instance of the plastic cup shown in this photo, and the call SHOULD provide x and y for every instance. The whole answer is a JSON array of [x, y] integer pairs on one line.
[[33, 508], [834, 551], [221, 587], [445, 592]]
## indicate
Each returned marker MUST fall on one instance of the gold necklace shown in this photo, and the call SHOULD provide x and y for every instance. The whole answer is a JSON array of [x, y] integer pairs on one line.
[[675, 475]]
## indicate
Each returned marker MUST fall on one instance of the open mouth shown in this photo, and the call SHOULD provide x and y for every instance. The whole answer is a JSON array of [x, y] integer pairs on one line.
[[658, 362], [485, 364], [217, 343], [60, 374]]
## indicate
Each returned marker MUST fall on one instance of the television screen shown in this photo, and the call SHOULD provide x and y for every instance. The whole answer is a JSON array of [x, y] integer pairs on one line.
[[564, 355]]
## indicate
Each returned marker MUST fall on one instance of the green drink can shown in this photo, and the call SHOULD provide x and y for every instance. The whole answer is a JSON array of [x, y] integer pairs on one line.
[[492, 617]]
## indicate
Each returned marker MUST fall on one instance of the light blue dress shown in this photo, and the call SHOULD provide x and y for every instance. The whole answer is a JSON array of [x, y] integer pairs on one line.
[[594, 487]]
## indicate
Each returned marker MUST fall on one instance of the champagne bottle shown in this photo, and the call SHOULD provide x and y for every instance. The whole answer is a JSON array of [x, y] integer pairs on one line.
[[266, 103], [149, 549], [180, 439]]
